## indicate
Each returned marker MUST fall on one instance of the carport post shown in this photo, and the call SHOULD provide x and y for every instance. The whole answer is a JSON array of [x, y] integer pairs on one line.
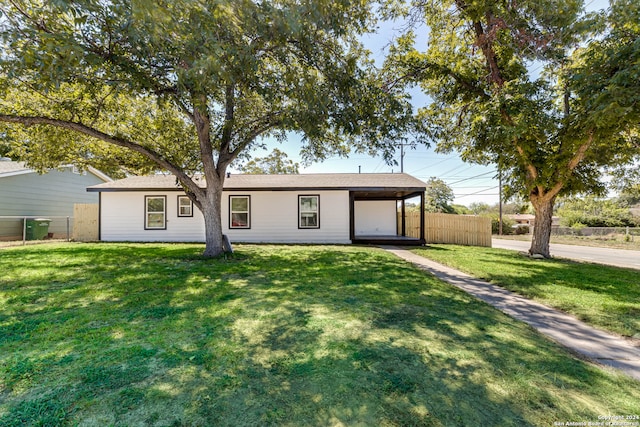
[[422, 221], [404, 219]]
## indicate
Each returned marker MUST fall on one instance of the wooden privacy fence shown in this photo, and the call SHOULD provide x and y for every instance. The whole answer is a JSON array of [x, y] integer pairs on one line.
[[448, 228], [85, 222]]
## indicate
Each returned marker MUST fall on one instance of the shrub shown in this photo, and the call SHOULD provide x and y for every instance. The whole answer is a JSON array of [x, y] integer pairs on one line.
[[507, 225]]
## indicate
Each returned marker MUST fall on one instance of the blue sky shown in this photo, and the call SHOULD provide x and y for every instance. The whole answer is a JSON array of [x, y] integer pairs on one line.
[[470, 183]]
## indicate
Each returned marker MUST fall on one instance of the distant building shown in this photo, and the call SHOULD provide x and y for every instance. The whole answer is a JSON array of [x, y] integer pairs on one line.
[[26, 193], [528, 220]]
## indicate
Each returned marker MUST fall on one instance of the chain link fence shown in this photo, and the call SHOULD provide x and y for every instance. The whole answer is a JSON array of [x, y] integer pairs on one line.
[[34, 228], [630, 233]]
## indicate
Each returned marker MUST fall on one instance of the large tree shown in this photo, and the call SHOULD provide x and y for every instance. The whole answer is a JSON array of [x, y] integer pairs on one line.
[[529, 86], [186, 86]]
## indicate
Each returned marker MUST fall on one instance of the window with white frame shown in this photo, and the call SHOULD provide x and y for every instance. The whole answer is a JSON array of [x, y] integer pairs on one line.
[[185, 206], [239, 212], [308, 211], [155, 212]]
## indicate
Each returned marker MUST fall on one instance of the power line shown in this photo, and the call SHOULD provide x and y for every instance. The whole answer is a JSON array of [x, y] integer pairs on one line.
[[379, 164], [471, 177], [482, 192], [452, 170], [435, 164], [472, 186]]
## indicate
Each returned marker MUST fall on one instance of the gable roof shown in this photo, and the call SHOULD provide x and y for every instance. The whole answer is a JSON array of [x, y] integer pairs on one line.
[[370, 182], [11, 168]]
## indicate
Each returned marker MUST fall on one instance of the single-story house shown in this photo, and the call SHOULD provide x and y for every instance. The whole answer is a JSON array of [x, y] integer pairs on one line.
[[52, 195], [305, 208], [528, 220]]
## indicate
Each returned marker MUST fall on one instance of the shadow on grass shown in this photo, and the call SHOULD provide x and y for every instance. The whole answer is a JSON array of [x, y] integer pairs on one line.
[[155, 335]]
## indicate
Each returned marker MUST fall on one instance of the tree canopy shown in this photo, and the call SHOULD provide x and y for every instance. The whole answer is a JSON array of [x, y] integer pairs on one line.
[[187, 87], [548, 93], [275, 163], [438, 196], [591, 211]]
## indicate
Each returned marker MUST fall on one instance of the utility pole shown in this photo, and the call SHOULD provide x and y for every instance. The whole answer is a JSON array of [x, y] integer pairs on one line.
[[402, 153]]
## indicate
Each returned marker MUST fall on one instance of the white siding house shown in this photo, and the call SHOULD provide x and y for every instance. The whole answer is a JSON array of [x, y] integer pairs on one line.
[[319, 208]]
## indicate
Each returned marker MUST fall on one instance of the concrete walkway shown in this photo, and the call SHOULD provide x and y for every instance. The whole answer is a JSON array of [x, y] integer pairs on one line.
[[566, 330]]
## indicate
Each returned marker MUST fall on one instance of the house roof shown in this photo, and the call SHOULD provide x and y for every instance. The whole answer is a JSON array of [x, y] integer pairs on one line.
[[8, 168], [399, 184], [528, 218], [11, 168]]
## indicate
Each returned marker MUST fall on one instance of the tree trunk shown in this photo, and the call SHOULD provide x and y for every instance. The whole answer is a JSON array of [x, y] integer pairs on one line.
[[543, 207], [212, 213]]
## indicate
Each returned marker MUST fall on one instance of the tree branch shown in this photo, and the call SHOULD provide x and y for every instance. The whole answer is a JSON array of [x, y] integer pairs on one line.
[[229, 118], [40, 25], [572, 165], [257, 131], [417, 74], [533, 172], [121, 142], [580, 153], [202, 122]]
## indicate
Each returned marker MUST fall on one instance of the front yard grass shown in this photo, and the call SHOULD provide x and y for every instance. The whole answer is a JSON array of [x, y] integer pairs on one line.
[[126, 334], [605, 297]]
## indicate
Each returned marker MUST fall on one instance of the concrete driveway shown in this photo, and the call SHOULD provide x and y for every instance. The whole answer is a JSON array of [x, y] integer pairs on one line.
[[615, 257]]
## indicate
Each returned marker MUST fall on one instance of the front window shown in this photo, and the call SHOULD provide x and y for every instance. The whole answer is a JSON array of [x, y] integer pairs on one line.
[[155, 214], [239, 212], [308, 211], [185, 206]]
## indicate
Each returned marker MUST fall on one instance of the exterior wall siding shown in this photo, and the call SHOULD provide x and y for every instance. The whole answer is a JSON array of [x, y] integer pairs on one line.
[[375, 217], [122, 219], [274, 218], [50, 194]]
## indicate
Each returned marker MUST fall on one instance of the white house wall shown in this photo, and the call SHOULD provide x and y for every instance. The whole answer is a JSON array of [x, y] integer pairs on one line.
[[375, 217], [274, 218], [122, 219]]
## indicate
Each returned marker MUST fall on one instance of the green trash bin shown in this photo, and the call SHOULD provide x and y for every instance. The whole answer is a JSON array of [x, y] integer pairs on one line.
[[37, 228]]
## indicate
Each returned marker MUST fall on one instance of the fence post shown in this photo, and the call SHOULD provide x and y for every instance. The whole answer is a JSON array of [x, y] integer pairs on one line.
[[24, 231], [68, 228]]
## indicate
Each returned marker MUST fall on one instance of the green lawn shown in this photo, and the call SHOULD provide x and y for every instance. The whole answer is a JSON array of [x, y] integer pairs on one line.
[[125, 335], [605, 297]]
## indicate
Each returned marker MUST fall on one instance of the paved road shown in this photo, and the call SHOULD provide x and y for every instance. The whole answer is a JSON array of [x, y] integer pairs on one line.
[[616, 257]]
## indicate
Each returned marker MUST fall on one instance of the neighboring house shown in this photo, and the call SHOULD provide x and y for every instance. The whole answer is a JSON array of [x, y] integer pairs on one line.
[[528, 220], [26, 193], [305, 208]]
